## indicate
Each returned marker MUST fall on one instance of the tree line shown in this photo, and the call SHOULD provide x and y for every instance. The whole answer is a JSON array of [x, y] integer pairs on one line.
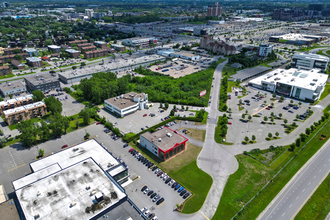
[[250, 61]]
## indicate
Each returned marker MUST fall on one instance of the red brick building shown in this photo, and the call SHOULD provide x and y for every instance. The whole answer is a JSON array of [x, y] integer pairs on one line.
[[77, 42], [8, 58], [83, 45], [96, 53], [17, 64], [10, 51], [4, 70], [73, 53], [89, 48]]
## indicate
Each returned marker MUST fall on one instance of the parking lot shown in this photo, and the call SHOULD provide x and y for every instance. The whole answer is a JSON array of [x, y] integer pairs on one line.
[[182, 67], [136, 121], [239, 129]]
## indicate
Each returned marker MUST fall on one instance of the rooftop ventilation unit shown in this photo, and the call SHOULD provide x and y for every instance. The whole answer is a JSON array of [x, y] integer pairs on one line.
[[315, 80], [169, 135], [73, 203], [159, 140], [99, 197], [312, 84]]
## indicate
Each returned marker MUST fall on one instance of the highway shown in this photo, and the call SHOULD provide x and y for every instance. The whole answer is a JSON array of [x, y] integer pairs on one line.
[[301, 187]]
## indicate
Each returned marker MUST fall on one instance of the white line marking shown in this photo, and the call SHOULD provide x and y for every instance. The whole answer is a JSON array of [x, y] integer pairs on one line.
[[290, 206], [320, 171], [303, 190], [297, 197], [309, 183], [314, 177], [283, 214]]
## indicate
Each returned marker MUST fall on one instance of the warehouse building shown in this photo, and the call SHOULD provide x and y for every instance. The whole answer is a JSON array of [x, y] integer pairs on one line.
[[126, 104], [310, 61], [296, 39], [164, 143], [12, 88], [306, 85], [25, 112], [44, 82]]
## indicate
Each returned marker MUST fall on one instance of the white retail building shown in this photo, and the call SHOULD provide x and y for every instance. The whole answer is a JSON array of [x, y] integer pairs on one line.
[[305, 85], [310, 61]]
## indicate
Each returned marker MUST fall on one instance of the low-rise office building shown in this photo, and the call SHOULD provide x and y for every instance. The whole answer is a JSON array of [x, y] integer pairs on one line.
[[96, 53], [34, 62], [44, 82], [15, 102], [12, 88], [164, 143], [54, 48], [126, 104], [305, 85], [18, 65], [4, 70], [309, 61], [73, 53], [25, 112], [264, 50]]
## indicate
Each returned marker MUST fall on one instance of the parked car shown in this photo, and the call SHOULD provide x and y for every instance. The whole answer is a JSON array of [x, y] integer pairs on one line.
[[125, 145], [183, 192], [156, 197], [146, 191], [154, 168], [160, 201], [153, 195], [177, 187], [145, 115], [174, 184], [64, 146], [186, 195], [150, 192], [286, 107], [290, 111], [296, 107], [168, 180], [229, 123], [144, 188], [98, 123], [181, 188]]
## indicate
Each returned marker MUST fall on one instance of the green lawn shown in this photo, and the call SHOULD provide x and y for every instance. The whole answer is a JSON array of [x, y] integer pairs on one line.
[[327, 52], [7, 76], [318, 206], [252, 176], [266, 65], [326, 91], [229, 70], [196, 181], [96, 58]]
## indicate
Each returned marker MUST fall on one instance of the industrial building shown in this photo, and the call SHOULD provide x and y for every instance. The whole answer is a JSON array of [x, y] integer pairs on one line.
[[12, 88], [44, 82], [264, 50], [25, 112], [15, 102], [296, 39], [306, 85], [310, 61], [126, 104], [72, 76], [164, 143]]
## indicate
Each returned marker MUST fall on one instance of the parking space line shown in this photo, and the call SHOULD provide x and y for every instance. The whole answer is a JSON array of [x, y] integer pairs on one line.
[[263, 108], [161, 204], [22, 165]]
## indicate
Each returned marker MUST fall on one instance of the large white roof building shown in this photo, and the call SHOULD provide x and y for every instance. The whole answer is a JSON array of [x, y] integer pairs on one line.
[[310, 61], [300, 84]]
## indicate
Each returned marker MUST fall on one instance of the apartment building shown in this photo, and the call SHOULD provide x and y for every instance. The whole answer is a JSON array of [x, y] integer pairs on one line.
[[17, 64], [96, 53], [214, 10], [100, 44], [77, 42], [25, 112], [4, 70], [83, 45], [34, 62], [89, 48], [10, 51], [15, 102], [8, 58], [264, 50], [54, 48], [73, 53]]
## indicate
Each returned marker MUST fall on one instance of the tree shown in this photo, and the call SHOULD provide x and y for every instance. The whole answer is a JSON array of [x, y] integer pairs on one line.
[[308, 131], [250, 117], [292, 147], [130, 53], [53, 105], [172, 113], [326, 115], [166, 105], [18, 57], [87, 135], [86, 115], [299, 103], [282, 98], [168, 40], [161, 105], [187, 108], [312, 128], [253, 137], [74, 67], [83, 64], [272, 114], [240, 101], [229, 109], [298, 142], [265, 118], [285, 121], [272, 119], [270, 135], [246, 138], [243, 116], [38, 95], [280, 115], [48, 42], [297, 116], [265, 102], [277, 134], [272, 104], [291, 101], [3, 141], [303, 137], [28, 132], [41, 152], [274, 95], [174, 107], [66, 123], [246, 111], [77, 123]]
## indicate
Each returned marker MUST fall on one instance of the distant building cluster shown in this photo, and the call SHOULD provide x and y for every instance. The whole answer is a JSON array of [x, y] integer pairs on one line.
[[295, 14], [214, 10], [222, 48]]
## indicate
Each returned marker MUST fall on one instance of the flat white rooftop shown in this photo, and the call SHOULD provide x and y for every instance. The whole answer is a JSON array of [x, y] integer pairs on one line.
[[19, 98], [307, 79], [23, 108], [76, 154], [311, 57], [70, 194]]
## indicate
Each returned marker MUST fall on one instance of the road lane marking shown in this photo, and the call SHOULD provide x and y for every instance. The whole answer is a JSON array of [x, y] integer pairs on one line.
[[314, 177], [283, 214], [22, 165], [319, 171], [203, 215], [309, 183], [297, 197], [303, 190], [290, 206]]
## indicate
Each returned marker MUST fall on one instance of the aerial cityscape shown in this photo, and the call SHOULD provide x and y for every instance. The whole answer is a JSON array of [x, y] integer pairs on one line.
[[164, 110]]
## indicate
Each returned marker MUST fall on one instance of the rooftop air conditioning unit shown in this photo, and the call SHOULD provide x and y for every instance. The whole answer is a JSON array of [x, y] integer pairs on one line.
[[73, 203], [169, 135], [159, 140]]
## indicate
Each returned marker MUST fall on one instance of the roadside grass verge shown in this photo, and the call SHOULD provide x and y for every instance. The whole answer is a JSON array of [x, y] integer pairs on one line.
[[318, 205], [197, 134], [251, 176], [326, 90], [204, 119], [7, 76], [229, 70], [183, 169]]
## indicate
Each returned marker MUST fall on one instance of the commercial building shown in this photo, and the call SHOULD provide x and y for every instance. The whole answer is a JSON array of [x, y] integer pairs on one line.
[[54, 48], [10, 51], [15, 102], [296, 39], [31, 51], [34, 62], [142, 42], [201, 31], [306, 85], [248, 73], [118, 47], [81, 191], [25, 112], [4, 70], [89, 13], [73, 53], [44, 82], [8, 210], [72, 76], [309, 61], [100, 44], [186, 56], [95, 53], [214, 10], [12, 88], [126, 104], [264, 50], [164, 143], [17, 64]]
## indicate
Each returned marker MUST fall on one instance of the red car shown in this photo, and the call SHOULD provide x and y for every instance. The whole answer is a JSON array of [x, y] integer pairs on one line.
[[268, 108], [229, 123], [145, 115], [98, 123], [64, 146], [130, 150], [261, 97]]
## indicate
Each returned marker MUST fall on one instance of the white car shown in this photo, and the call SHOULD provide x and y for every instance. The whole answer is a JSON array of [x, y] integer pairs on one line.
[[154, 218], [146, 212], [146, 191], [144, 209]]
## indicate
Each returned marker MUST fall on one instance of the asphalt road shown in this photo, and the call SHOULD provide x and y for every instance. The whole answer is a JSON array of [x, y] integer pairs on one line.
[[297, 192]]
